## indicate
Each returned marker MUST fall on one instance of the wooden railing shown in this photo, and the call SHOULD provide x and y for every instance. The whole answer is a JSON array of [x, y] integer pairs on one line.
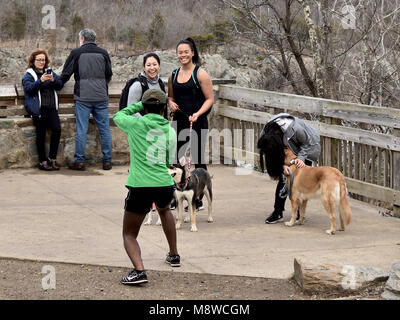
[[12, 98], [369, 160]]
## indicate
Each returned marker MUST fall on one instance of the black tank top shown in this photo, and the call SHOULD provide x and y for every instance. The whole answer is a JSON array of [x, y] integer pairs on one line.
[[188, 96]]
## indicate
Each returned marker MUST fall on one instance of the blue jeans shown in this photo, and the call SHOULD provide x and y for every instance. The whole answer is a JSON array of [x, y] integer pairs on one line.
[[100, 116]]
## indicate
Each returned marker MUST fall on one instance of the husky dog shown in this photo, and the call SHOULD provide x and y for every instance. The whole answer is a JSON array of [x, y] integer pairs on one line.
[[191, 186]]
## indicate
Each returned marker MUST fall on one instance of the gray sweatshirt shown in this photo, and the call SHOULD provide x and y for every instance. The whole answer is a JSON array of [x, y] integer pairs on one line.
[[301, 138], [135, 91]]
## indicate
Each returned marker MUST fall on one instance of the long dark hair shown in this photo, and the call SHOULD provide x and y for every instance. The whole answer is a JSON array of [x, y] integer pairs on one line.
[[272, 150], [196, 58]]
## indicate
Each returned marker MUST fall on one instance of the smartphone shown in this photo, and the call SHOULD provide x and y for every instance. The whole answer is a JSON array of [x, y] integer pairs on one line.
[[48, 71]]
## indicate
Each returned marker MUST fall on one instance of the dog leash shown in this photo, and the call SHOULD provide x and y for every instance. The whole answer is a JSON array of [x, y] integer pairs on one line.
[[285, 192], [189, 148]]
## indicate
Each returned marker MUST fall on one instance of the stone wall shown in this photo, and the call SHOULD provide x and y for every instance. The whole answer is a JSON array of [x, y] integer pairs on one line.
[[18, 148]]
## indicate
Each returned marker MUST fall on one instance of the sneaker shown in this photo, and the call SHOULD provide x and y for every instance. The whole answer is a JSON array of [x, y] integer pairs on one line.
[[173, 260], [199, 206], [275, 217], [77, 166], [45, 166], [107, 165], [52, 163], [135, 277]]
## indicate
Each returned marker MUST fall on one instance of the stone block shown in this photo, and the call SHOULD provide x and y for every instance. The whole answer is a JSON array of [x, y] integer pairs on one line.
[[29, 132], [23, 122], [325, 278], [392, 288], [6, 124]]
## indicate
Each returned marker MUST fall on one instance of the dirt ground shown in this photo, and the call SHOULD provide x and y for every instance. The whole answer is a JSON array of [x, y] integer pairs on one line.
[[23, 280]]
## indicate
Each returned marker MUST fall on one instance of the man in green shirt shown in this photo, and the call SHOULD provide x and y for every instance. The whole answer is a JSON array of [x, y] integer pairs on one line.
[[152, 144]]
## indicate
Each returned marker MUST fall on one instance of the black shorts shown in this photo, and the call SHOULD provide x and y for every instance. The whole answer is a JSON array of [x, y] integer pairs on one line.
[[140, 200]]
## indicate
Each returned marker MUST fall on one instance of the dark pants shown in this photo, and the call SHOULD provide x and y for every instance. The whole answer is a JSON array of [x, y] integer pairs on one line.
[[280, 202], [198, 140], [49, 119]]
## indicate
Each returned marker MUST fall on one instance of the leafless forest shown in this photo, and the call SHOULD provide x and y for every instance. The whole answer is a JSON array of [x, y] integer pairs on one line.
[[338, 49]]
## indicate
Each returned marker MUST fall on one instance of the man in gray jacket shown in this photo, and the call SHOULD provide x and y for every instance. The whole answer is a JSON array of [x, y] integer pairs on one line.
[[91, 66], [299, 137]]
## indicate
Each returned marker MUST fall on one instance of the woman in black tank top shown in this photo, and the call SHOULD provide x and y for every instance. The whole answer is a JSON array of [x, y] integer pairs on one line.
[[190, 98]]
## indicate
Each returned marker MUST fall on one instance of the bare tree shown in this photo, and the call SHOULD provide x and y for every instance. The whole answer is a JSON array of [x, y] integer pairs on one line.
[[356, 62]]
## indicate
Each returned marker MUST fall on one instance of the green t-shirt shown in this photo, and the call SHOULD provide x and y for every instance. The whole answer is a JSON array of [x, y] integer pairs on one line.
[[152, 144]]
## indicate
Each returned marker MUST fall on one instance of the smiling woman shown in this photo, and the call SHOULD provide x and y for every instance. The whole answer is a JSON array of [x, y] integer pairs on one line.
[[147, 79], [190, 98], [41, 102]]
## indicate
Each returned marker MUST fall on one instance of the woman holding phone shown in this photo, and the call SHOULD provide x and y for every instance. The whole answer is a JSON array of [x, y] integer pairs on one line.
[[41, 102]]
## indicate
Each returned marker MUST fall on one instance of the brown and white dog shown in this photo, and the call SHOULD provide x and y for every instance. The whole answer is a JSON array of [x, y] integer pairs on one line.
[[325, 182], [191, 186], [149, 219]]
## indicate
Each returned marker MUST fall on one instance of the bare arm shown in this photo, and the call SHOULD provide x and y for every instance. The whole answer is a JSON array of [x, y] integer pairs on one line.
[[207, 88], [173, 107]]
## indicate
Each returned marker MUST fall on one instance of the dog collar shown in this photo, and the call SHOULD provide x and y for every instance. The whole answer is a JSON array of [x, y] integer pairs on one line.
[[184, 183], [293, 161]]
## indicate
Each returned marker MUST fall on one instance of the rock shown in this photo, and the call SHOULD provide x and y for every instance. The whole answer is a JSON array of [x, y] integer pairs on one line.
[[336, 278], [6, 124], [392, 288]]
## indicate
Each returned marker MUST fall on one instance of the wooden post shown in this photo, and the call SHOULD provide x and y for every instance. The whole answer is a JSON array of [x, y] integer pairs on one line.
[[396, 174], [330, 157]]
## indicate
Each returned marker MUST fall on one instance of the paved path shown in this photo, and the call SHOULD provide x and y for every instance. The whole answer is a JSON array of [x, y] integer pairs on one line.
[[76, 217]]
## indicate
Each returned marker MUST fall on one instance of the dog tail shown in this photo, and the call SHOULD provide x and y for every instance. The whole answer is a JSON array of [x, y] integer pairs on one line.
[[344, 208]]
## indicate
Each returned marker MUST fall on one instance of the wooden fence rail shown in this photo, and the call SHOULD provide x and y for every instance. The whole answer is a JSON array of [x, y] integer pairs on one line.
[[370, 160]]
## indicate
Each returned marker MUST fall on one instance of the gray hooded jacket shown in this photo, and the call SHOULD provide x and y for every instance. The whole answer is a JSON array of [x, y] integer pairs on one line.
[[301, 138]]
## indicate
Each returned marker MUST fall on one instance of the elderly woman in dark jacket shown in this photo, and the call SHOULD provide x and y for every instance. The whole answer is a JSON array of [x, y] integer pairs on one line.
[[41, 102]]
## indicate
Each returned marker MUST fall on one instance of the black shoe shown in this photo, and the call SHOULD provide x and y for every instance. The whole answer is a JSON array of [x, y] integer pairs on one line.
[[77, 166], [275, 217], [173, 260], [107, 165], [199, 206], [52, 163], [135, 277], [45, 166]]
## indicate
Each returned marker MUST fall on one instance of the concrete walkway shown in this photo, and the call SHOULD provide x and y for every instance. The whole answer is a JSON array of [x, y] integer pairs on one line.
[[76, 217]]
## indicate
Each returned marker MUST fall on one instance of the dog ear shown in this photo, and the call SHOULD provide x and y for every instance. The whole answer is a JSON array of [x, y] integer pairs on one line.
[[182, 161]]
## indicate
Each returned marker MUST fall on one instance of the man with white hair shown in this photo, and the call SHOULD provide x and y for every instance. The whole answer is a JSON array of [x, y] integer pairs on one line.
[[91, 66]]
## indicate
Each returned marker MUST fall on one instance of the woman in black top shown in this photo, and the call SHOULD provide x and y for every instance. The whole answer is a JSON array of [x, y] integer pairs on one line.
[[41, 102], [190, 97]]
